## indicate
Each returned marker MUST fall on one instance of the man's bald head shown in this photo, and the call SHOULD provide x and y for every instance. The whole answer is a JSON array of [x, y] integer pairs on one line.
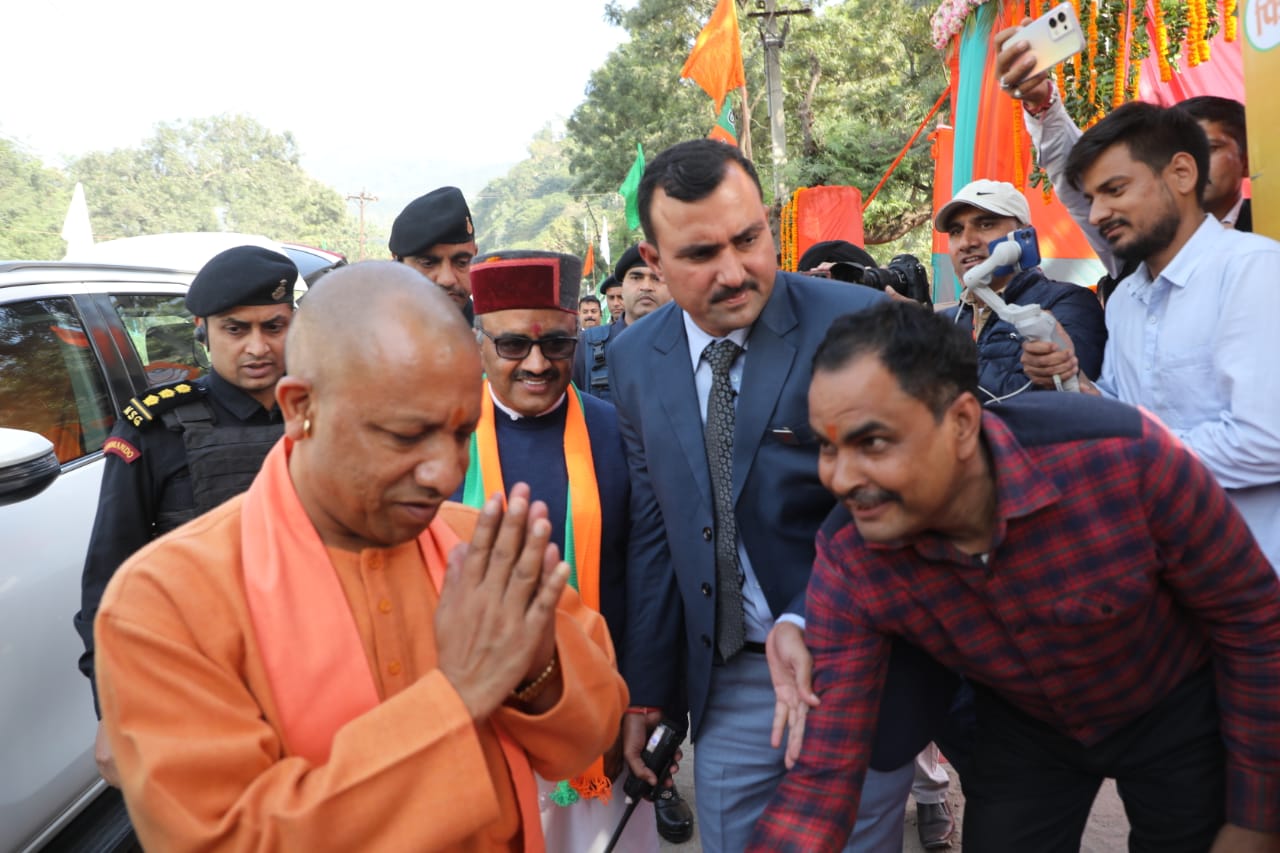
[[381, 399], [369, 316]]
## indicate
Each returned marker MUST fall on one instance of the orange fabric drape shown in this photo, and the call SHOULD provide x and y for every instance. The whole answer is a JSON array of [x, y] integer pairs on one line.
[[293, 606], [715, 63]]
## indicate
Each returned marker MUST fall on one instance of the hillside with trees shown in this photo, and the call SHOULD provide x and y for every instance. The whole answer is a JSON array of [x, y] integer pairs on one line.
[[858, 79], [224, 173]]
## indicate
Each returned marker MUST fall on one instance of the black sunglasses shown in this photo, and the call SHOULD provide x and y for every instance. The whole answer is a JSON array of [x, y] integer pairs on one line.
[[518, 347]]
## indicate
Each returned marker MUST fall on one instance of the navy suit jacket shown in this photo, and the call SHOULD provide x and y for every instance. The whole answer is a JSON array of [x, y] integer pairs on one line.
[[779, 503]]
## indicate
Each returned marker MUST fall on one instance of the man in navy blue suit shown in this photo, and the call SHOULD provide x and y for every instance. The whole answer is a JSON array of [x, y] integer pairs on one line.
[[725, 499]]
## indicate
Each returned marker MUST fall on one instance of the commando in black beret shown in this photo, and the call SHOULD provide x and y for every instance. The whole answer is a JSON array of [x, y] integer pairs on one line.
[[630, 258], [440, 216], [245, 275]]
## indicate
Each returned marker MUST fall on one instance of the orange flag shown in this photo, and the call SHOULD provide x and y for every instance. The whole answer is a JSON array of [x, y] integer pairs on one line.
[[715, 63], [589, 265]]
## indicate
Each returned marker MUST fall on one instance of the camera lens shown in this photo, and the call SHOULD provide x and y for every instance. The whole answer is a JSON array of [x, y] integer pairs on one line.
[[1062, 17], [1053, 22]]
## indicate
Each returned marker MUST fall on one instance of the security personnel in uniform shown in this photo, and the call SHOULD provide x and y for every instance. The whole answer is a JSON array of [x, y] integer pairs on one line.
[[184, 447], [642, 292], [434, 235]]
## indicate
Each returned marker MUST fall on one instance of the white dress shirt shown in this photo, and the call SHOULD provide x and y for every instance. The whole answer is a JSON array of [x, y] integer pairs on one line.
[[1199, 347], [759, 617]]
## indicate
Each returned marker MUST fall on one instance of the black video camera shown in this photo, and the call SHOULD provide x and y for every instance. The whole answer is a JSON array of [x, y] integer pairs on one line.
[[905, 274]]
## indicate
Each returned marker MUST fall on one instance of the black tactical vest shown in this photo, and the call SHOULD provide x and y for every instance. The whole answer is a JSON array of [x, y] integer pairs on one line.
[[222, 459], [597, 363]]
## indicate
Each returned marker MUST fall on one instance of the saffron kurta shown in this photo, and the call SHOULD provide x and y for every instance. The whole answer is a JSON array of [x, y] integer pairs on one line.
[[190, 716]]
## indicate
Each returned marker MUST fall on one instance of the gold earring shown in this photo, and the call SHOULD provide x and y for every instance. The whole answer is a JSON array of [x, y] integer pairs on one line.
[[306, 427]]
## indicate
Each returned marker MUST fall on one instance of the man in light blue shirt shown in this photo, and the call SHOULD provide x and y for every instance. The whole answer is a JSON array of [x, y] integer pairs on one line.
[[1192, 333]]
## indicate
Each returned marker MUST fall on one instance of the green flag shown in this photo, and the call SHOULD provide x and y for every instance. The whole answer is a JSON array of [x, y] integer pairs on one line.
[[725, 129], [630, 188]]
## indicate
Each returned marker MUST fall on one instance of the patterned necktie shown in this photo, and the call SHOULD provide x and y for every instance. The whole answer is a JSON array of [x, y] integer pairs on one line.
[[730, 618]]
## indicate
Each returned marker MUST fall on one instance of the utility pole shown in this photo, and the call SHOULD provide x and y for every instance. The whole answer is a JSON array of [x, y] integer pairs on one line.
[[773, 42], [363, 198]]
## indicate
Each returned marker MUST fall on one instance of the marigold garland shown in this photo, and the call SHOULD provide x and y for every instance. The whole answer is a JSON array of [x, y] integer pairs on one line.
[[1019, 172], [1162, 43], [787, 235], [1091, 50], [1120, 68]]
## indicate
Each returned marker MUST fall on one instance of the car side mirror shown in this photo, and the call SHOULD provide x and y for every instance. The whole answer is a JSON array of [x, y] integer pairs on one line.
[[28, 465]]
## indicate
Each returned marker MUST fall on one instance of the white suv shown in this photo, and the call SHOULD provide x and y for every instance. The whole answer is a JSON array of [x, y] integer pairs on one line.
[[77, 341]]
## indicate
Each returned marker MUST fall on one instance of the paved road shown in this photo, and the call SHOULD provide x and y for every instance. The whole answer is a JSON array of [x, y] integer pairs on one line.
[[1108, 830]]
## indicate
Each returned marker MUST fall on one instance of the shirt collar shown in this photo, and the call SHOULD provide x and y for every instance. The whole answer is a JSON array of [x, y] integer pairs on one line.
[[515, 416], [700, 340], [1195, 251], [235, 399], [1234, 213], [1021, 488]]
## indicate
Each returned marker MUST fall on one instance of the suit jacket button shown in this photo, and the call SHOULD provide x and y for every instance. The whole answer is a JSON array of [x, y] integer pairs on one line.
[[706, 534], [706, 641], [706, 589]]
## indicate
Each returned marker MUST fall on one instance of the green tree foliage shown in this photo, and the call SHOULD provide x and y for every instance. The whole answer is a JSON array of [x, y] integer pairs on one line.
[[33, 203], [531, 206], [226, 173], [637, 94], [858, 78], [861, 77]]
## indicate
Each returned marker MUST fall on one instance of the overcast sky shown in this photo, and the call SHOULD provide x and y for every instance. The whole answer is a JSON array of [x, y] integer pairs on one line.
[[398, 97]]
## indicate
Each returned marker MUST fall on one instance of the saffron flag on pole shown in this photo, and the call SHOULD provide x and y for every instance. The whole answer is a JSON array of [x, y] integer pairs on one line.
[[589, 264], [630, 189], [715, 63], [725, 129]]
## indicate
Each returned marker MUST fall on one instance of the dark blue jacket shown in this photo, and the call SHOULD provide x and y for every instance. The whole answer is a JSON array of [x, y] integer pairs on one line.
[[779, 504], [1000, 346], [531, 450]]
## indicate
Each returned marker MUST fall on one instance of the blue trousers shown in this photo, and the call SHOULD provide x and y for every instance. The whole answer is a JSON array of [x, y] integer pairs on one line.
[[736, 771]]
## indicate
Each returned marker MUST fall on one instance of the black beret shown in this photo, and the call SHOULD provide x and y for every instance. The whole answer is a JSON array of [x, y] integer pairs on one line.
[[440, 216], [245, 275], [834, 251], [630, 258], [610, 281], [525, 279]]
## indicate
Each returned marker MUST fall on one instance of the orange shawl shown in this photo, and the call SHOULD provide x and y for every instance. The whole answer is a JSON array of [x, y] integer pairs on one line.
[[296, 604], [582, 528]]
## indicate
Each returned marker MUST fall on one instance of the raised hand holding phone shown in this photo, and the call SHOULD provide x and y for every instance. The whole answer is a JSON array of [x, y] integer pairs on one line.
[[1028, 51]]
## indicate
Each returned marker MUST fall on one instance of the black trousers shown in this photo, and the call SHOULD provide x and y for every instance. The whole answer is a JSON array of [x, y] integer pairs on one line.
[[1030, 787]]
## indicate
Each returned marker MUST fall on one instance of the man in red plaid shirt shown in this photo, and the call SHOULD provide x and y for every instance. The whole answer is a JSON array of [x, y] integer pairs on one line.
[[1072, 560]]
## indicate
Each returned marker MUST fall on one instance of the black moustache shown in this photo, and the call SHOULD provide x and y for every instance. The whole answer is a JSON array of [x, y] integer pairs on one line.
[[871, 497], [724, 293]]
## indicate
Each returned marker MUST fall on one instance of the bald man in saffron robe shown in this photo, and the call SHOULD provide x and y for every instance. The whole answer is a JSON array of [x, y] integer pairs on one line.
[[322, 664]]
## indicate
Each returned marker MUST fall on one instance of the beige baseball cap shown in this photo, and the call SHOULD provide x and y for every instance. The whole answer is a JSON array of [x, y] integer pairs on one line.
[[999, 197]]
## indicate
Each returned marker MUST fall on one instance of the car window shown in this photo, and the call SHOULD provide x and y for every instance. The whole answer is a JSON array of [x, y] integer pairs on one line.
[[161, 331], [50, 381]]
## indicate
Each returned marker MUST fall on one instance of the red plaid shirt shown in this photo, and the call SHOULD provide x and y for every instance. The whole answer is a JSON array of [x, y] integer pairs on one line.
[[1118, 569]]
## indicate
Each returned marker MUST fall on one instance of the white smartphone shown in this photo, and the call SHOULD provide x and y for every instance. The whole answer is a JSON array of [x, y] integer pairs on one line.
[[1054, 36]]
